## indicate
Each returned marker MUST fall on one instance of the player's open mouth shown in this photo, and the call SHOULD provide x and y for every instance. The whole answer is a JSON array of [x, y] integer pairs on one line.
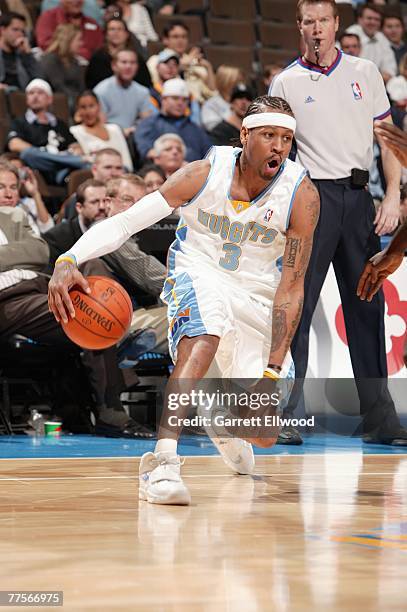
[[273, 164]]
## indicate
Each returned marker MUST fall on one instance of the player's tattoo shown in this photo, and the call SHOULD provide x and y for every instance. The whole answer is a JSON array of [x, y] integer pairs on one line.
[[293, 246], [304, 258], [279, 328], [313, 205]]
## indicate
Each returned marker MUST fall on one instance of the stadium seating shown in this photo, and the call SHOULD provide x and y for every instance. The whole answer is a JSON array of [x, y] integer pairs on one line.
[[231, 31], [243, 9]]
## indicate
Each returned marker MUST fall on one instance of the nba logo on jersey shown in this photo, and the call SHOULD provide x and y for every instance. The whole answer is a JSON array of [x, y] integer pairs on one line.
[[268, 215], [357, 92]]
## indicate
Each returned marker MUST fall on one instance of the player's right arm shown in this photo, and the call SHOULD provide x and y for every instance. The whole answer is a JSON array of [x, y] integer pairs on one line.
[[111, 233]]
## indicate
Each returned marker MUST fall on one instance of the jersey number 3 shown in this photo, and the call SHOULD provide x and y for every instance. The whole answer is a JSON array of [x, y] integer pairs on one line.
[[231, 259]]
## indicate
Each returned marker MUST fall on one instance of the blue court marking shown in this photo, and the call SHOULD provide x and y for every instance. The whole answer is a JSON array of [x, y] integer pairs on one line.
[[27, 447]]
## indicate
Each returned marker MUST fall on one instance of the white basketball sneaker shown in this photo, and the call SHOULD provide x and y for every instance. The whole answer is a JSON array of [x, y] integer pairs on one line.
[[160, 480], [235, 452]]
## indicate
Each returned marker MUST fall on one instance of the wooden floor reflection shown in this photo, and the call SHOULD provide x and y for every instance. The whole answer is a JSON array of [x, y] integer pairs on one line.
[[313, 532]]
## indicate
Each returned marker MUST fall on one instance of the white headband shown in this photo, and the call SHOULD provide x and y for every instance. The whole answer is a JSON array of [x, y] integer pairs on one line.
[[263, 119]]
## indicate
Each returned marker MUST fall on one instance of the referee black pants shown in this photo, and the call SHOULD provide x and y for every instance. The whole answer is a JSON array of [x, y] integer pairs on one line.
[[345, 236]]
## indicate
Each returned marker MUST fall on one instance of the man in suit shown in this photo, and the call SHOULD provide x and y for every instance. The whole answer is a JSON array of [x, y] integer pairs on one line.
[[90, 206]]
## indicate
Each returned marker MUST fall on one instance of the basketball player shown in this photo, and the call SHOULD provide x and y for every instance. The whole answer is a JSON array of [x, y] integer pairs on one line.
[[241, 210]]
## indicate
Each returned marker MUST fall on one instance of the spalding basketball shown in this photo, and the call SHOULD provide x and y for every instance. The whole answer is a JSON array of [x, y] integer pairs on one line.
[[102, 317]]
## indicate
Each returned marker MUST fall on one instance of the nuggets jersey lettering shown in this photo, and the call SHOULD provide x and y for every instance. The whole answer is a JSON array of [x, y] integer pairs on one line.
[[238, 242]]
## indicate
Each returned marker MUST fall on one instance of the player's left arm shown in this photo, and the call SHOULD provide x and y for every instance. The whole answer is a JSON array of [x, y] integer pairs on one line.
[[289, 296], [388, 213]]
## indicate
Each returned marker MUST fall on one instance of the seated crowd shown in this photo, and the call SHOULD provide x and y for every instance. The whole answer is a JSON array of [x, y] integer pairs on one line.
[[128, 122]]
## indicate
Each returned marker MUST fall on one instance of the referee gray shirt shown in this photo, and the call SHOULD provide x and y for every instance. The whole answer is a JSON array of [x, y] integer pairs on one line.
[[335, 109]]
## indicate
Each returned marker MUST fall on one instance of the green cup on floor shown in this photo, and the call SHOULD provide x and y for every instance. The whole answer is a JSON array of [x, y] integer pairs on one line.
[[53, 429]]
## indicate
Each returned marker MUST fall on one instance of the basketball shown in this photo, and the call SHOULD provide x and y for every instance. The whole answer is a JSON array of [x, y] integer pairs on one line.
[[102, 317]]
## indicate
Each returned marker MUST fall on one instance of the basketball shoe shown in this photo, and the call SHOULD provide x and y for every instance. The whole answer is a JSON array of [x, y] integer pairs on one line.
[[160, 480], [235, 452]]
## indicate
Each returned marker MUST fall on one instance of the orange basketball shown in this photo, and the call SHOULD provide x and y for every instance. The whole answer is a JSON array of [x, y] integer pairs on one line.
[[102, 317]]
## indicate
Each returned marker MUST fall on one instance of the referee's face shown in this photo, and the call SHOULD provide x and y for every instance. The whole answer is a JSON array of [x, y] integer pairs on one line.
[[266, 148], [318, 22]]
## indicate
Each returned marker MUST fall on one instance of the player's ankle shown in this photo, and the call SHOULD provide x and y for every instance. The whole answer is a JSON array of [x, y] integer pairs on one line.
[[166, 445]]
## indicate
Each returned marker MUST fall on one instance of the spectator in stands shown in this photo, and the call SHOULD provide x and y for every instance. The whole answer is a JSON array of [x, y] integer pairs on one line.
[[93, 134], [21, 189], [375, 45], [196, 70], [217, 108], [394, 30], [69, 11], [171, 119], [153, 177], [169, 152], [108, 164], [43, 141], [90, 206], [168, 67], [60, 64], [122, 99], [138, 20], [17, 6], [17, 63], [91, 8], [350, 44], [117, 37], [228, 130], [269, 72], [175, 37]]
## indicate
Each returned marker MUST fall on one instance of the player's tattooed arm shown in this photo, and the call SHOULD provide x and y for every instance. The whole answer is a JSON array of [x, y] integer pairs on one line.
[[184, 184], [289, 297]]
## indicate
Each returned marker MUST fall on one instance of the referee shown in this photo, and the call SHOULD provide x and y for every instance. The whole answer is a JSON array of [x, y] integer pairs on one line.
[[335, 99]]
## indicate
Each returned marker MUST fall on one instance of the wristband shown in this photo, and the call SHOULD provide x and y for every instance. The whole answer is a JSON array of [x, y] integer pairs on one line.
[[67, 257], [270, 373]]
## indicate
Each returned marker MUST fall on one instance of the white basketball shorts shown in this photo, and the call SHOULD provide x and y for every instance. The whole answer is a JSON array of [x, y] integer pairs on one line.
[[199, 304]]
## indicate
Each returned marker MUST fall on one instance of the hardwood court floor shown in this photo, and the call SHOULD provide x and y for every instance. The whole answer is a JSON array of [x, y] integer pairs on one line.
[[311, 532]]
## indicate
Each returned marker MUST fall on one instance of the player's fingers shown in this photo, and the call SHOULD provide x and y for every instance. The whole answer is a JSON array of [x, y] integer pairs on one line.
[[381, 222], [51, 305], [79, 279], [376, 281], [364, 282], [59, 306]]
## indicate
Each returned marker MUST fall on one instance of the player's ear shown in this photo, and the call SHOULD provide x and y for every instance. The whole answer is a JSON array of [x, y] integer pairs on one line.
[[244, 134], [336, 23]]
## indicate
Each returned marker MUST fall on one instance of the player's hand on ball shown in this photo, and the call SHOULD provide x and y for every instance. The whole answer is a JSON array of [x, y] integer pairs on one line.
[[375, 273], [65, 276]]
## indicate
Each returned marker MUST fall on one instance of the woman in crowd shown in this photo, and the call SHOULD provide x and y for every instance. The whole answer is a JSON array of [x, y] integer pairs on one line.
[[92, 134], [217, 108], [117, 37], [60, 64]]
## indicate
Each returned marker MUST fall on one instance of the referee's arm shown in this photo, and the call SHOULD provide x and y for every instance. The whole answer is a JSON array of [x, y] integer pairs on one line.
[[387, 216]]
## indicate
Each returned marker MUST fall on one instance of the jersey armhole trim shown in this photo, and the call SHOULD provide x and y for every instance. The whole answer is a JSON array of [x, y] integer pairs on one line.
[[303, 174], [206, 181], [383, 115]]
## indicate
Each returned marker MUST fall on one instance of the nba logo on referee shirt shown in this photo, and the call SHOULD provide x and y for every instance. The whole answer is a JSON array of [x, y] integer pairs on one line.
[[357, 92]]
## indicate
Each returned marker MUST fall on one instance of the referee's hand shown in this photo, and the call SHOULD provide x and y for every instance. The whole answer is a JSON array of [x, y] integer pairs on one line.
[[388, 214]]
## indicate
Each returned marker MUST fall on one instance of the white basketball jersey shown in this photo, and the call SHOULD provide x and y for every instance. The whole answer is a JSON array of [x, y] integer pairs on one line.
[[235, 242]]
